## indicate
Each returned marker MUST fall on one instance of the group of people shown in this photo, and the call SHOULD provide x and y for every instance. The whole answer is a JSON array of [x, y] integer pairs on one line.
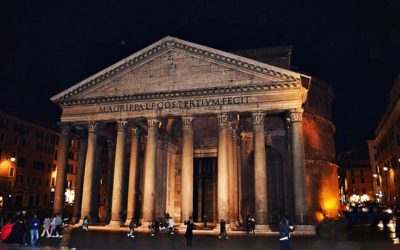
[[24, 229], [168, 224]]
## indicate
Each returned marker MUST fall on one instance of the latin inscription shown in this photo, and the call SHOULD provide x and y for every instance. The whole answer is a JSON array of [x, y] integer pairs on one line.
[[186, 104]]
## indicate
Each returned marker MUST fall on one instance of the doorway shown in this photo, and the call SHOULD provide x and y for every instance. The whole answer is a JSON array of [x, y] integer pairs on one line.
[[204, 188]]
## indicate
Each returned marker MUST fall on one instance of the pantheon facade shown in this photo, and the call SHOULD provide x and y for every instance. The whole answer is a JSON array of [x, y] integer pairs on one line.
[[196, 131]]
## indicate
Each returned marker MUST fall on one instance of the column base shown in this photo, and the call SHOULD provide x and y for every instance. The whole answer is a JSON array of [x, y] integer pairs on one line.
[[262, 228], [128, 222], [75, 220], [305, 230], [234, 225], [145, 225], [218, 227], [115, 224]]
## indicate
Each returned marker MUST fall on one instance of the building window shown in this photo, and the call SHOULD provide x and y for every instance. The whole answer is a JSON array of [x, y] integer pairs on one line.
[[352, 172], [362, 172], [20, 179], [11, 174], [69, 184], [71, 155], [47, 182], [1, 137], [362, 180], [57, 139], [53, 181], [55, 154], [352, 181], [28, 179], [21, 162], [33, 180], [39, 181], [70, 169], [16, 140]]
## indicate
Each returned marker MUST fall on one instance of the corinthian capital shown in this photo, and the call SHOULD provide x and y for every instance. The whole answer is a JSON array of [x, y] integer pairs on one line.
[[258, 118], [65, 127], [296, 115], [153, 122], [121, 124], [187, 121], [135, 132], [93, 127], [222, 119]]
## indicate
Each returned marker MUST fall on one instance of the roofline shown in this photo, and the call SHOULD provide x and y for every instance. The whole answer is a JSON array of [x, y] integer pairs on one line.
[[166, 44]]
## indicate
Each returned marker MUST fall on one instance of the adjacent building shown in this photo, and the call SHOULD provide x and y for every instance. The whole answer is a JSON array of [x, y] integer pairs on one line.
[[385, 151], [195, 131], [28, 164], [356, 175]]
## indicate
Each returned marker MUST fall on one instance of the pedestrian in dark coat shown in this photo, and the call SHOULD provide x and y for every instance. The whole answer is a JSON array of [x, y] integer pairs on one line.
[[222, 226], [248, 224], [398, 228], [189, 230], [132, 226], [284, 234]]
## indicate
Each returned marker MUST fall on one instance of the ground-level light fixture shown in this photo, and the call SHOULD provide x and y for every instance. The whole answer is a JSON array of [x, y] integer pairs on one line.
[[13, 159], [375, 175], [385, 168]]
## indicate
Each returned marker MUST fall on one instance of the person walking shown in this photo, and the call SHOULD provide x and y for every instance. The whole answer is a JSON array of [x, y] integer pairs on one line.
[[189, 230], [85, 223], [132, 226], [34, 226], [248, 224], [52, 225], [222, 228], [284, 234], [46, 227]]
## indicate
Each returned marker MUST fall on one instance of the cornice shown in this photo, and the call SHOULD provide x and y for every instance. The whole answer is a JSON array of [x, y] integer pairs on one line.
[[170, 43], [319, 118], [253, 88]]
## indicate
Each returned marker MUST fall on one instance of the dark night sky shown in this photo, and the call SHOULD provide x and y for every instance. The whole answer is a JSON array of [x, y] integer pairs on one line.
[[353, 45]]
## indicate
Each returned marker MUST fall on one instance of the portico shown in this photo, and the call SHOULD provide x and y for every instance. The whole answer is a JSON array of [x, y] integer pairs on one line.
[[185, 101]]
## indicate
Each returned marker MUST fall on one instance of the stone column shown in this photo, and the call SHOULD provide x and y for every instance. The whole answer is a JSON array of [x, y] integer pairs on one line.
[[118, 182], [187, 168], [260, 170], [298, 164], [88, 181], [222, 186], [231, 183], [110, 177], [149, 178], [132, 175], [236, 184], [79, 177], [59, 194]]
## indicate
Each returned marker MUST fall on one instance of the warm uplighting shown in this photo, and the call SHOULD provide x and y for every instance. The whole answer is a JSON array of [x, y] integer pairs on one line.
[[364, 198]]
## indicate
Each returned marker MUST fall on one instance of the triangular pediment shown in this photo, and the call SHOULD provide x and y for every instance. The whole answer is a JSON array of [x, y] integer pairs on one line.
[[171, 65]]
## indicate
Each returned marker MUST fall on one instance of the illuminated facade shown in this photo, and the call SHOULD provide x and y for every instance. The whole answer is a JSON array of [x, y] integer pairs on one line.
[[385, 151], [26, 158], [199, 132], [356, 175]]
